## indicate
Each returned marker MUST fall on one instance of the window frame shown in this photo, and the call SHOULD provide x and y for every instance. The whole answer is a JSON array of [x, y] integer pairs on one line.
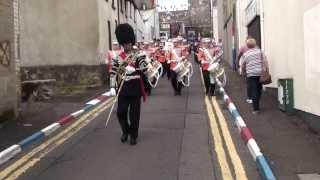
[[113, 5], [126, 8], [121, 6], [134, 15]]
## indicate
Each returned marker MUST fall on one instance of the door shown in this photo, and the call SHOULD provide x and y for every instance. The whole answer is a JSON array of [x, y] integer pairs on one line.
[[254, 30]]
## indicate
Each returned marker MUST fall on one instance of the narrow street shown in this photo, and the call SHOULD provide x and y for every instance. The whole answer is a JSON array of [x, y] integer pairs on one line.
[[175, 142], [239, 99]]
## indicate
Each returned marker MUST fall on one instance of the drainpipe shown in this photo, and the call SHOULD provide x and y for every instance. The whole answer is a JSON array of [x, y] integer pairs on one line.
[[262, 25]]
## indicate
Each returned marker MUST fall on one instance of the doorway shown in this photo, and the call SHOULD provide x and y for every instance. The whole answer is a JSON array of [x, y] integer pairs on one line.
[[254, 30]]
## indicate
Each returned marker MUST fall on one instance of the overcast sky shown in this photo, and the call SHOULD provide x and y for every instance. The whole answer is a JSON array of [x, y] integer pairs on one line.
[[172, 5]]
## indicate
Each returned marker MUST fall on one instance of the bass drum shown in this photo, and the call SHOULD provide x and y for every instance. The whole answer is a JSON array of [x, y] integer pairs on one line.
[[218, 73], [154, 73], [185, 74], [178, 67]]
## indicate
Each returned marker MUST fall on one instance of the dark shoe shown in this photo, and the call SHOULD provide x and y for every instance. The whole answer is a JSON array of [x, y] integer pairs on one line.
[[124, 138], [133, 141]]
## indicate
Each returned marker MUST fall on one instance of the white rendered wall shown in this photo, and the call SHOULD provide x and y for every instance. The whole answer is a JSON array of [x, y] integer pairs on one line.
[[292, 43]]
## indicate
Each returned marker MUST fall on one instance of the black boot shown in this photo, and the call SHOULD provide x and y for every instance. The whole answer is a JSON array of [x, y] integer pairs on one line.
[[133, 141], [124, 138], [176, 93]]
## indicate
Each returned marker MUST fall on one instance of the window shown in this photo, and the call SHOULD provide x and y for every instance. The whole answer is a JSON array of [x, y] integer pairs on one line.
[[125, 8], [109, 33], [130, 10], [121, 6], [113, 6], [134, 14]]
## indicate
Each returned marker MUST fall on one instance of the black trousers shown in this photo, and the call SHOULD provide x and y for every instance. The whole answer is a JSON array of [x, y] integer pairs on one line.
[[255, 90], [147, 86], [131, 104], [210, 88], [249, 95], [166, 69], [177, 86]]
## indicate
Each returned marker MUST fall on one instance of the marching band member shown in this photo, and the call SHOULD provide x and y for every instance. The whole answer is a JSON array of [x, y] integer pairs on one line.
[[204, 61], [148, 51], [184, 48], [131, 89], [160, 56], [167, 48], [175, 56]]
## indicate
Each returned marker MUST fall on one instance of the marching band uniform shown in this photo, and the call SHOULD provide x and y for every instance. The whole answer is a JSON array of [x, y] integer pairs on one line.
[[168, 57], [149, 52], [204, 61], [129, 100], [160, 56], [176, 85]]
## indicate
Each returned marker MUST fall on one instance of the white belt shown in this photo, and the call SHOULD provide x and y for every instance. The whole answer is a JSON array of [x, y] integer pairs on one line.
[[128, 78]]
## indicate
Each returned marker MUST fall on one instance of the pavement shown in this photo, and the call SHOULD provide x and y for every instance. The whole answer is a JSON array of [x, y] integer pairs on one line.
[[181, 137], [290, 147], [39, 114]]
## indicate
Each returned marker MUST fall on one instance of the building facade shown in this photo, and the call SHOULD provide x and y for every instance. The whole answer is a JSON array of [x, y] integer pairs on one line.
[[201, 17], [289, 35], [9, 59], [151, 19], [196, 20], [174, 23], [67, 40]]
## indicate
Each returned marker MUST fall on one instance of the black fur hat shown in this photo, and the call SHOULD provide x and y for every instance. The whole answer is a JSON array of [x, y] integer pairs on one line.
[[125, 34]]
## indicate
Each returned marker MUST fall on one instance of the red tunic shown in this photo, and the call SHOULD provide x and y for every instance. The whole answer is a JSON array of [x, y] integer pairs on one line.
[[203, 60]]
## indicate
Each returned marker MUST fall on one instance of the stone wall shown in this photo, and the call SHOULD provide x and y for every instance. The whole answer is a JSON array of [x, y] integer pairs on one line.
[[70, 79], [8, 80]]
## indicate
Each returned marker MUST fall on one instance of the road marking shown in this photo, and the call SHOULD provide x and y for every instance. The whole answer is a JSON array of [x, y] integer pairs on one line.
[[32, 158], [218, 143], [217, 140], [234, 156]]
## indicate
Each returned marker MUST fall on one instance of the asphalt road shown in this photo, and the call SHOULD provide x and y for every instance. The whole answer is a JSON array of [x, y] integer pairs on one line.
[[173, 144]]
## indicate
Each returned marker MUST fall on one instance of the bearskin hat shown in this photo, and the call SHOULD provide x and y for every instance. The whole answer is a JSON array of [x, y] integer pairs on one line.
[[125, 34]]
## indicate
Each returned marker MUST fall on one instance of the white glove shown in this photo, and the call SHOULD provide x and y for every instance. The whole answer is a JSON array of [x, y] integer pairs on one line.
[[112, 92], [130, 70], [213, 67]]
